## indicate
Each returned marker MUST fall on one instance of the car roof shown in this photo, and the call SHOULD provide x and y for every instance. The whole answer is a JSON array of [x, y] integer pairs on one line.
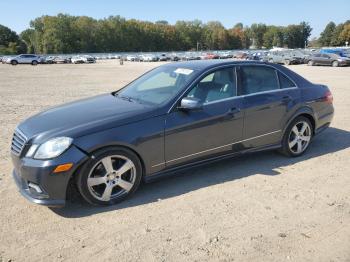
[[207, 64], [204, 65]]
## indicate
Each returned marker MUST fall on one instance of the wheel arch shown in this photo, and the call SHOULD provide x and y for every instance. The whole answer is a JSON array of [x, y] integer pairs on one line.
[[305, 112], [89, 155]]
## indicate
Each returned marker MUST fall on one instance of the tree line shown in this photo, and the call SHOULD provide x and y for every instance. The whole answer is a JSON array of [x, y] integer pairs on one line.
[[81, 34]]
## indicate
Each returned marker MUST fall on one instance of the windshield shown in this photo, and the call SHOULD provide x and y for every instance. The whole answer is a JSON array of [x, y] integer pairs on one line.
[[157, 86]]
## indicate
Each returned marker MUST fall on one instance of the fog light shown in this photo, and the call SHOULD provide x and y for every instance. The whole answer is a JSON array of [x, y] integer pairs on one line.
[[63, 168], [35, 187]]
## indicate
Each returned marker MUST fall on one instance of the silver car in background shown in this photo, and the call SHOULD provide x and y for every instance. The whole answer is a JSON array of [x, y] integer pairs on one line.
[[23, 59]]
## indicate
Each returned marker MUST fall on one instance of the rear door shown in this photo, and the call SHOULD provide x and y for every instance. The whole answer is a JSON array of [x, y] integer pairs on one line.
[[269, 96], [326, 59], [212, 130]]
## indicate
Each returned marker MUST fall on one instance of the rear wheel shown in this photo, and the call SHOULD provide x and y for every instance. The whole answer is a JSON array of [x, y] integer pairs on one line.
[[113, 175], [297, 137], [14, 62], [335, 63], [311, 63], [34, 63]]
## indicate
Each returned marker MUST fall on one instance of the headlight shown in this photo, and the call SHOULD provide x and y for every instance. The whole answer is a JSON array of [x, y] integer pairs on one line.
[[51, 148]]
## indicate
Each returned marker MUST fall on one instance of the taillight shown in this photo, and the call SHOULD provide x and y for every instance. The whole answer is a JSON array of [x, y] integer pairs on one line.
[[328, 97]]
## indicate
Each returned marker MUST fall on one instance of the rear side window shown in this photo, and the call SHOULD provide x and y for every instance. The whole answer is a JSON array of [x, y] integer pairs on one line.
[[255, 79], [285, 82]]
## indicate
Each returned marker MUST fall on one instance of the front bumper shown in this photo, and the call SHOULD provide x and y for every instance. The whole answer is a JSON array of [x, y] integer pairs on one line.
[[37, 182], [344, 63]]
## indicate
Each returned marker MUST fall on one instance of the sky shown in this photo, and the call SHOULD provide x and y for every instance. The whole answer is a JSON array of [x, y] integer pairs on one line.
[[17, 14]]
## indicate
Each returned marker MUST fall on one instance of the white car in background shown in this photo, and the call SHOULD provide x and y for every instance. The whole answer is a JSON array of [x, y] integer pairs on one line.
[[148, 58], [85, 59], [131, 58], [23, 59]]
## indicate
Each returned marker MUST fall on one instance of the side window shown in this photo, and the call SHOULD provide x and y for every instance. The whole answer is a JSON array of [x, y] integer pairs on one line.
[[257, 79], [215, 86], [285, 82]]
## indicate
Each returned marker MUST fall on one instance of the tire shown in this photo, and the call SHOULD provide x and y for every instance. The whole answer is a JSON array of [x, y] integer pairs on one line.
[[101, 187], [287, 62], [310, 63], [296, 141], [335, 63], [14, 62], [34, 63]]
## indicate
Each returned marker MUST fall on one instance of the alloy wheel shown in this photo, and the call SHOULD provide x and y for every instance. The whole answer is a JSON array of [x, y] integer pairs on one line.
[[111, 177], [299, 137]]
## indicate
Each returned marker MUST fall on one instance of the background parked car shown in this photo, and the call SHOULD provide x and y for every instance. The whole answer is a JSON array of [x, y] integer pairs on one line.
[[188, 56], [163, 57], [61, 60], [174, 57], [336, 51], [131, 58], [83, 59], [24, 59], [149, 58], [329, 60], [47, 60], [240, 55], [225, 55], [284, 57]]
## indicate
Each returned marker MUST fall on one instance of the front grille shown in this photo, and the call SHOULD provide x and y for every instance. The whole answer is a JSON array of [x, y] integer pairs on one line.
[[18, 142]]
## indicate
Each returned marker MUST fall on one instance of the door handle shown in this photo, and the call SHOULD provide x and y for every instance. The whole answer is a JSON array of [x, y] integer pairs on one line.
[[233, 111], [286, 99]]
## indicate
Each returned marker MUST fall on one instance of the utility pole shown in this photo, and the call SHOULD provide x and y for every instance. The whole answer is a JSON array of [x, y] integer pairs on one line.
[[197, 45]]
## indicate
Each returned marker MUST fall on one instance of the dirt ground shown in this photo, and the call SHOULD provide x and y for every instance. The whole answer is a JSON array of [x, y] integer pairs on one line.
[[260, 207]]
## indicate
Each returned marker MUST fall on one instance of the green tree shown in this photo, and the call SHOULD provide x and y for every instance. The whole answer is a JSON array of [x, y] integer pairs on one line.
[[257, 34], [345, 34], [274, 36], [327, 34], [10, 43]]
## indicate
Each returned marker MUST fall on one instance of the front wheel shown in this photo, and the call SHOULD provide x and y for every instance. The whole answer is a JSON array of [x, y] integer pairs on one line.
[[113, 175], [335, 64], [34, 63], [297, 137], [310, 63], [14, 62]]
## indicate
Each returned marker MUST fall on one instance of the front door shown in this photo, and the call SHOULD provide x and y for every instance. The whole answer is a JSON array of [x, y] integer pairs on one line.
[[210, 131]]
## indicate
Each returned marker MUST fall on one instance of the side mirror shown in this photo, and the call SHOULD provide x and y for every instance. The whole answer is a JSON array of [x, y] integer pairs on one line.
[[190, 103]]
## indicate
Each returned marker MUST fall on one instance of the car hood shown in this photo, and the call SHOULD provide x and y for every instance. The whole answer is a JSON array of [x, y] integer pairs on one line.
[[83, 117]]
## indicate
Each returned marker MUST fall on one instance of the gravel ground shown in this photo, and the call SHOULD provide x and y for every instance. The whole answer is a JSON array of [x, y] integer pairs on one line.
[[260, 207]]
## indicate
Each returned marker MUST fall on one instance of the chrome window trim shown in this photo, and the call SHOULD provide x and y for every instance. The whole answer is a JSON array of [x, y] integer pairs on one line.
[[198, 78], [242, 96], [211, 149], [237, 96]]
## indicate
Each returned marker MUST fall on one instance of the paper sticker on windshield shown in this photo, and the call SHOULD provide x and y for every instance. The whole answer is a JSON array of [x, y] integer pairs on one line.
[[183, 71]]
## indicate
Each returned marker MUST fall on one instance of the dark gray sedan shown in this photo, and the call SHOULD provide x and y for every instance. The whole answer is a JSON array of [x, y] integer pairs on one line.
[[334, 60], [176, 116]]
